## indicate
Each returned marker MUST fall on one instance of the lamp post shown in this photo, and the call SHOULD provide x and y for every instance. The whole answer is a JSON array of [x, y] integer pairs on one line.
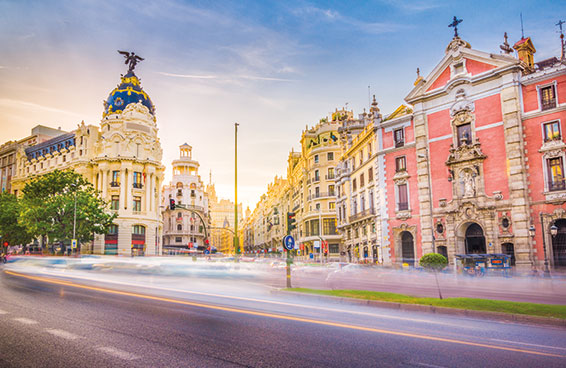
[[74, 186], [236, 240]]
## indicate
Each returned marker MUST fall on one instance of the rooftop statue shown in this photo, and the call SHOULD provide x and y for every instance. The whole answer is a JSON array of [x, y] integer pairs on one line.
[[132, 59]]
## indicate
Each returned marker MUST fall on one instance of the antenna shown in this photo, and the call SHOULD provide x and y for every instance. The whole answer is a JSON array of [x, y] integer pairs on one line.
[[562, 50], [522, 31]]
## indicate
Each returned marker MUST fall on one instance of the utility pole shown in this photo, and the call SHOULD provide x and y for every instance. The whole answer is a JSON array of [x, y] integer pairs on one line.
[[236, 240]]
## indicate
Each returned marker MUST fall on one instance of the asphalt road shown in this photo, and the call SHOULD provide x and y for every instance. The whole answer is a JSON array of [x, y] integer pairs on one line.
[[50, 322]]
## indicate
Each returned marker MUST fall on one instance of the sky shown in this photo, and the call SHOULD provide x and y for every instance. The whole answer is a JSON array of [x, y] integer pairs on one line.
[[274, 67]]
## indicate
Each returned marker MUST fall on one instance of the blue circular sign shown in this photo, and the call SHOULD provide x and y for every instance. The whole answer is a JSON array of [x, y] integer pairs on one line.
[[289, 242]]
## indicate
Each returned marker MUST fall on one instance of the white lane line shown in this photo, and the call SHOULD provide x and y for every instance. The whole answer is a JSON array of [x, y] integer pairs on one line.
[[275, 302], [525, 343], [26, 321], [3, 312], [117, 352], [61, 333]]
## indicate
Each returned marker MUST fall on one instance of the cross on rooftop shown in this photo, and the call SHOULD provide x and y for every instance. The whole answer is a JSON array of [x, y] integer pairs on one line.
[[454, 24]]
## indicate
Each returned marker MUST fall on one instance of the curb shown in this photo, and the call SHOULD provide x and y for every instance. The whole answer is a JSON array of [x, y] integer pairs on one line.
[[499, 316]]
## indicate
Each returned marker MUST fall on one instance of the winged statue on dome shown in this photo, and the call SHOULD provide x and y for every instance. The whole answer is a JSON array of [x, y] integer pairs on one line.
[[132, 59]]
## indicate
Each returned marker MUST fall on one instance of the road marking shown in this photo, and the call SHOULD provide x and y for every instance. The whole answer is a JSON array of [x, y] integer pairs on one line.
[[284, 317], [3, 312], [117, 352], [61, 333], [26, 321], [287, 304], [525, 343]]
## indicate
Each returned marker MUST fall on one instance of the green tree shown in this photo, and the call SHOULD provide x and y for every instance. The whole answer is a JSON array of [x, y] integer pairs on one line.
[[48, 207], [434, 262], [12, 230]]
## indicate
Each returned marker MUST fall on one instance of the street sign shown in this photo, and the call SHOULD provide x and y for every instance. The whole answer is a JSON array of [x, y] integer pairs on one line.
[[289, 242], [317, 244], [74, 244]]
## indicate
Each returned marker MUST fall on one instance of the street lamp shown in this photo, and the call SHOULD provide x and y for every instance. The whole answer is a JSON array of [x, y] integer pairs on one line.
[[74, 186], [553, 231]]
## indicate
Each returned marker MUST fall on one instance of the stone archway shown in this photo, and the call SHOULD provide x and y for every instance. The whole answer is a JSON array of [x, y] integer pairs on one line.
[[470, 239], [475, 239], [559, 244]]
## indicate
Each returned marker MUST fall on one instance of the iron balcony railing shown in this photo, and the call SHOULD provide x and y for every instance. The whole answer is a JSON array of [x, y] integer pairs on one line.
[[114, 183], [559, 184], [362, 214]]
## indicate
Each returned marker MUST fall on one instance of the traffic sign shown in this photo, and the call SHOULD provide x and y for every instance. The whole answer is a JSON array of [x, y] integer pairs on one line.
[[289, 242], [74, 243]]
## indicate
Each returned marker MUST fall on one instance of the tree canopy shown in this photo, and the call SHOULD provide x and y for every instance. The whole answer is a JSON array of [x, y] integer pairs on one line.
[[48, 206], [12, 229], [433, 262]]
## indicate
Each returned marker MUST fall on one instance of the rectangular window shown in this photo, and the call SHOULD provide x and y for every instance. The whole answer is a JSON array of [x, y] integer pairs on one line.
[[547, 98], [331, 205], [361, 157], [329, 226], [137, 204], [400, 164], [331, 190], [316, 159], [330, 156], [370, 175], [330, 173], [362, 182], [399, 136], [137, 180], [551, 131], [369, 150], [115, 203], [555, 174], [178, 239], [316, 175], [315, 228], [316, 192], [354, 186], [333, 248], [403, 200], [464, 134], [115, 179]]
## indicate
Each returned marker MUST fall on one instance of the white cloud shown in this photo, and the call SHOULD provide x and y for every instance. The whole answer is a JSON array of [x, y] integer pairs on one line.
[[26, 104]]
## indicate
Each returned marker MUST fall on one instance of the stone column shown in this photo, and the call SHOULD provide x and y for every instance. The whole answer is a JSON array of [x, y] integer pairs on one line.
[[123, 183], [104, 181], [424, 190], [516, 173], [148, 188]]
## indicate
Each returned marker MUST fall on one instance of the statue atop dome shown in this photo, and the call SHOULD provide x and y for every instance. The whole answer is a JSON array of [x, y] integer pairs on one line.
[[132, 59]]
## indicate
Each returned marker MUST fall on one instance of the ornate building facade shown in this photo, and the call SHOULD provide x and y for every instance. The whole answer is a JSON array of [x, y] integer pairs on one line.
[[121, 158], [184, 229]]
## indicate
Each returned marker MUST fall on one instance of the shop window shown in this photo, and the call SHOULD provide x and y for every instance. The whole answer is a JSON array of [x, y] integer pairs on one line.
[[547, 98], [551, 131], [555, 174]]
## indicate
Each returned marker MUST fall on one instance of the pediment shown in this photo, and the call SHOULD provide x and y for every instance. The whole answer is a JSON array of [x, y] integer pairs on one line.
[[459, 63]]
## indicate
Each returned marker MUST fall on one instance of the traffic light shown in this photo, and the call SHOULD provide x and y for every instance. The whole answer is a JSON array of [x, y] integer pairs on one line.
[[291, 222], [171, 204]]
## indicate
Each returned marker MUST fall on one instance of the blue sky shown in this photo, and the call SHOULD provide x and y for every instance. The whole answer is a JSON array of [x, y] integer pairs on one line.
[[272, 66]]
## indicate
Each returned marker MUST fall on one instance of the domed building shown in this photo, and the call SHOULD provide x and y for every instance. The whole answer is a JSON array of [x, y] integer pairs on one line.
[[121, 158]]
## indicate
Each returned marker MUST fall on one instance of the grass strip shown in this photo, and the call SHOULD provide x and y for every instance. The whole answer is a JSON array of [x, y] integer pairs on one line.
[[531, 309]]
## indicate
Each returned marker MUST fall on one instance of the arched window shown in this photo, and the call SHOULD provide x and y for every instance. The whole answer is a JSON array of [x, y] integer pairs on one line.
[[180, 227], [138, 229]]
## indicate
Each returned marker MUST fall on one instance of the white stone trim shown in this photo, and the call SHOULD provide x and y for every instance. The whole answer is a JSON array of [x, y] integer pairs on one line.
[[441, 138], [489, 126]]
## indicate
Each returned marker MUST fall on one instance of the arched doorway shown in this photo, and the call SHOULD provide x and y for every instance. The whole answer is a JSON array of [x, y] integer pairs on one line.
[[475, 240], [559, 244], [407, 248], [441, 249]]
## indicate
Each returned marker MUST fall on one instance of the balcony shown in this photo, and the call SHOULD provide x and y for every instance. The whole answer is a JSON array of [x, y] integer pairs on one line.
[[137, 185], [321, 195], [559, 184], [362, 215], [114, 184], [548, 104], [330, 177]]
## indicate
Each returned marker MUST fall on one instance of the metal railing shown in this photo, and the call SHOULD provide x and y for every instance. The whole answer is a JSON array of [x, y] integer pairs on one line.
[[114, 183], [559, 184], [137, 185], [362, 214]]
